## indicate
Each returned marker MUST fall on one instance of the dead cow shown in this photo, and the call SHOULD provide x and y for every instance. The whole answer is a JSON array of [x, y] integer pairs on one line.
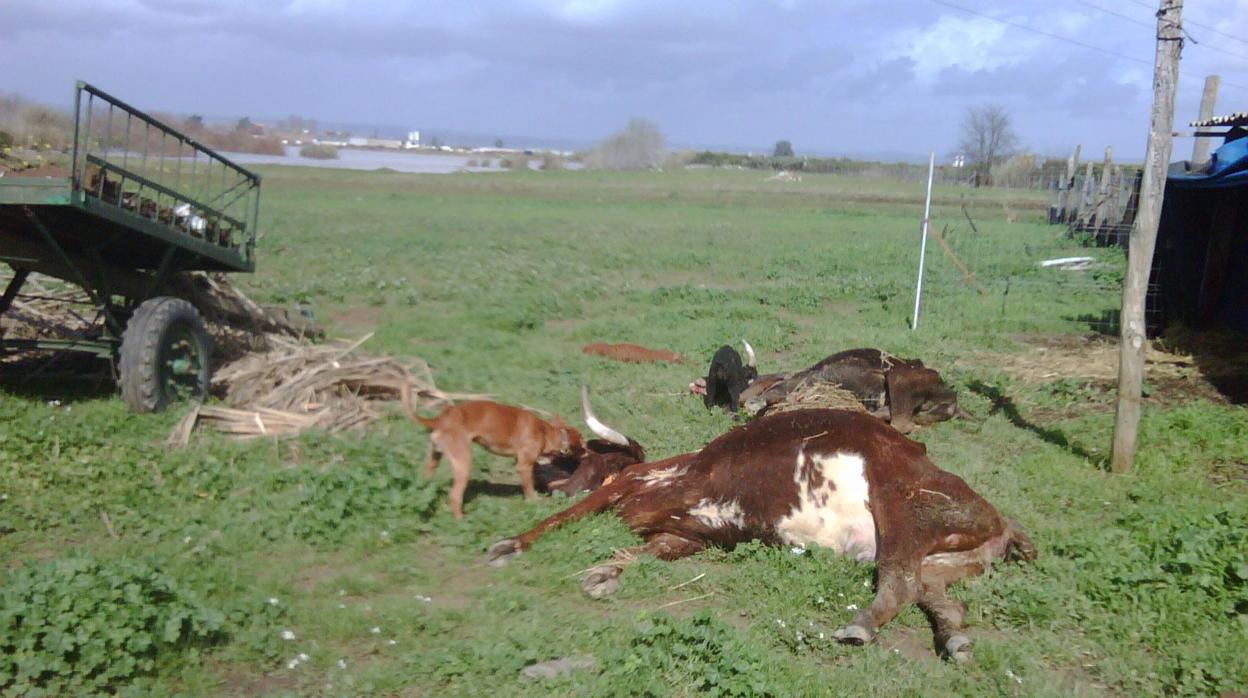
[[839, 479], [903, 392], [726, 378], [602, 459], [631, 353]]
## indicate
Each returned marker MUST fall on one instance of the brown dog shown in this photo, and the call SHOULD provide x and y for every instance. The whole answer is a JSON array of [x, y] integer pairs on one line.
[[501, 429]]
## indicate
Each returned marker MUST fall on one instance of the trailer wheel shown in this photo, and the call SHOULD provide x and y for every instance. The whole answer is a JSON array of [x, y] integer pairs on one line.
[[164, 355]]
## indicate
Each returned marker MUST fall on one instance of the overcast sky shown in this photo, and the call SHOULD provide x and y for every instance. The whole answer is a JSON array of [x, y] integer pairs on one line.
[[854, 76]]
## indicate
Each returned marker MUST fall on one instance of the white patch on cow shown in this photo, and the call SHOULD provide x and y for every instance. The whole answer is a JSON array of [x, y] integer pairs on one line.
[[718, 514], [833, 510], [660, 476]]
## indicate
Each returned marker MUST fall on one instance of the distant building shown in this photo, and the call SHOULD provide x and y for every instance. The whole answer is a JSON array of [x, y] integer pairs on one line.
[[413, 140]]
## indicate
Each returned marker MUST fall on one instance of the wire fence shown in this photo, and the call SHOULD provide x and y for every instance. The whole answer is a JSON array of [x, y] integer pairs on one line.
[[1003, 270]]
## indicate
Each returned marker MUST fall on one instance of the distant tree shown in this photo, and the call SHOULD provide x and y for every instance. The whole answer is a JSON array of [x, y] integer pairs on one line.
[[498, 142], [435, 142], [640, 146], [783, 149], [297, 124], [244, 124], [194, 123], [987, 137]]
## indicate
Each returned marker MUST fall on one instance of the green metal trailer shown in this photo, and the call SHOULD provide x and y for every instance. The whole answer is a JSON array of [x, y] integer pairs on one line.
[[141, 202]]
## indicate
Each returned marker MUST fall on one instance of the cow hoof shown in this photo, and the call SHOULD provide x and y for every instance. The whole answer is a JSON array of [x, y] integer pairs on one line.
[[601, 581], [502, 552], [958, 649], [853, 635]]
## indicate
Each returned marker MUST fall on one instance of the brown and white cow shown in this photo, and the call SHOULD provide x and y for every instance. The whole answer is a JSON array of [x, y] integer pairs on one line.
[[602, 459], [903, 392], [834, 478]]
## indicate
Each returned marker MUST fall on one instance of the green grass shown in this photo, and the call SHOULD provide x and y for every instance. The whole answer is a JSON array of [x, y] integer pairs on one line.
[[497, 280]]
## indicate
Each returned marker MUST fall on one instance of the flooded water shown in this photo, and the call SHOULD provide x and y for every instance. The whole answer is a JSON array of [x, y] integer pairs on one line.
[[397, 160]]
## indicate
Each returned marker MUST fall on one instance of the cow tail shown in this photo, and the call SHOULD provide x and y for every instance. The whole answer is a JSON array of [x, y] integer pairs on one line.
[[405, 393], [1021, 548]]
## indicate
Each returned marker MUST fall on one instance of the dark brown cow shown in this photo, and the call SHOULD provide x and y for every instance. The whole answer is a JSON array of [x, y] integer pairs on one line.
[[839, 479], [903, 392], [602, 459]]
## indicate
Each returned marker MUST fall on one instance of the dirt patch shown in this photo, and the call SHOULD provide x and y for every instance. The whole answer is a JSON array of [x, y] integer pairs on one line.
[[235, 682], [1171, 377]]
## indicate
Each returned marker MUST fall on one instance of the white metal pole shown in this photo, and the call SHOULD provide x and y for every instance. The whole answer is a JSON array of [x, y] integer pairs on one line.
[[927, 212]]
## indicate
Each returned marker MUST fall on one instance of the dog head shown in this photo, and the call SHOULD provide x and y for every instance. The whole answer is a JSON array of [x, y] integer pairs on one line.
[[570, 442]]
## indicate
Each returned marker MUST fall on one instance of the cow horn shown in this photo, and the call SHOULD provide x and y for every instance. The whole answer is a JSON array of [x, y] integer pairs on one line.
[[603, 431], [749, 353]]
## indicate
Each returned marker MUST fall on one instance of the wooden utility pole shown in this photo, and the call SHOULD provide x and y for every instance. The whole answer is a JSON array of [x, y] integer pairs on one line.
[[1144, 235], [1200, 149]]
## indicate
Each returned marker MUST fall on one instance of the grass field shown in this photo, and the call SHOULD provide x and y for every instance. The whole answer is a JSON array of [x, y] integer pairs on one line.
[[154, 571]]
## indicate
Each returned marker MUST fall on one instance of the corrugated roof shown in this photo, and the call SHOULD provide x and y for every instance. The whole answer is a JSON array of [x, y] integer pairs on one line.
[[1239, 118]]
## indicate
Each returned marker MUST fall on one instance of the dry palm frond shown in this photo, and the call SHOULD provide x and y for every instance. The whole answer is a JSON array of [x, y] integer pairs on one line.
[[298, 386]]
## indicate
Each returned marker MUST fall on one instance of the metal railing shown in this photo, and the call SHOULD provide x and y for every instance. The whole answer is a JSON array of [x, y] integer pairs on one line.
[[130, 160]]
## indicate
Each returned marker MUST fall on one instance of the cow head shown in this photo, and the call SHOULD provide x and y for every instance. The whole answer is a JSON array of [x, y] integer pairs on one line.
[[919, 397], [600, 460], [751, 362]]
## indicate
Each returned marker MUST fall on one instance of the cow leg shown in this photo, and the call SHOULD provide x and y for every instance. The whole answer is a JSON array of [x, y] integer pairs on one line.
[[604, 579], [897, 585], [945, 616], [599, 500]]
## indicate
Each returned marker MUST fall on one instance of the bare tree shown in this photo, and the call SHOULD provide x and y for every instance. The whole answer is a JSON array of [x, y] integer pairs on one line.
[[987, 136], [638, 147]]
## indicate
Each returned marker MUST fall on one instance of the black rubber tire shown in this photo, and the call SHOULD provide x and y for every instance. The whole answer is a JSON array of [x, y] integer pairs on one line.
[[146, 350]]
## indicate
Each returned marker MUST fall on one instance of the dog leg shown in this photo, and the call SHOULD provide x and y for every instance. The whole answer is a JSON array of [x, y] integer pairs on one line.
[[460, 454], [524, 466], [433, 457]]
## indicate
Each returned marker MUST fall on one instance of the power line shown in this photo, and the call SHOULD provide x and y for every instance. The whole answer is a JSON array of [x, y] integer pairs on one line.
[[1142, 23], [1069, 40], [1194, 23], [1132, 20]]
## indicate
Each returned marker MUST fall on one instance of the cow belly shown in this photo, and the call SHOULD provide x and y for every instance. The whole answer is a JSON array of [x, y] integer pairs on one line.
[[833, 506]]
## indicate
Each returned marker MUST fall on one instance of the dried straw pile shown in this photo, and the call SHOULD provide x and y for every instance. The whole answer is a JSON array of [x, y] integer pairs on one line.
[[47, 308], [298, 386], [1096, 360], [817, 395]]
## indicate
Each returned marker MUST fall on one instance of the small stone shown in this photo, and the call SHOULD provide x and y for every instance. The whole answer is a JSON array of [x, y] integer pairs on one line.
[[288, 635]]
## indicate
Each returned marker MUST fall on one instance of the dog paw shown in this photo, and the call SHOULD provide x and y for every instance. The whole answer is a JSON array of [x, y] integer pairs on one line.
[[853, 635], [601, 581], [502, 552], [958, 649]]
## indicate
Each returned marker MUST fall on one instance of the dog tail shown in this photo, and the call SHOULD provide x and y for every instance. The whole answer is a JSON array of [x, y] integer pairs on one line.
[[405, 393]]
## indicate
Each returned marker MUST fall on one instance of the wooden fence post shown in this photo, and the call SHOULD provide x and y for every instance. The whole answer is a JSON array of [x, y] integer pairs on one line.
[[1144, 236], [1200, 149], [1066, 198], [1102, 200]]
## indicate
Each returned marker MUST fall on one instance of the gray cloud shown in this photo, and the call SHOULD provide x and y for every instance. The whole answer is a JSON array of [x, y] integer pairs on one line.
[[847, 76]]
